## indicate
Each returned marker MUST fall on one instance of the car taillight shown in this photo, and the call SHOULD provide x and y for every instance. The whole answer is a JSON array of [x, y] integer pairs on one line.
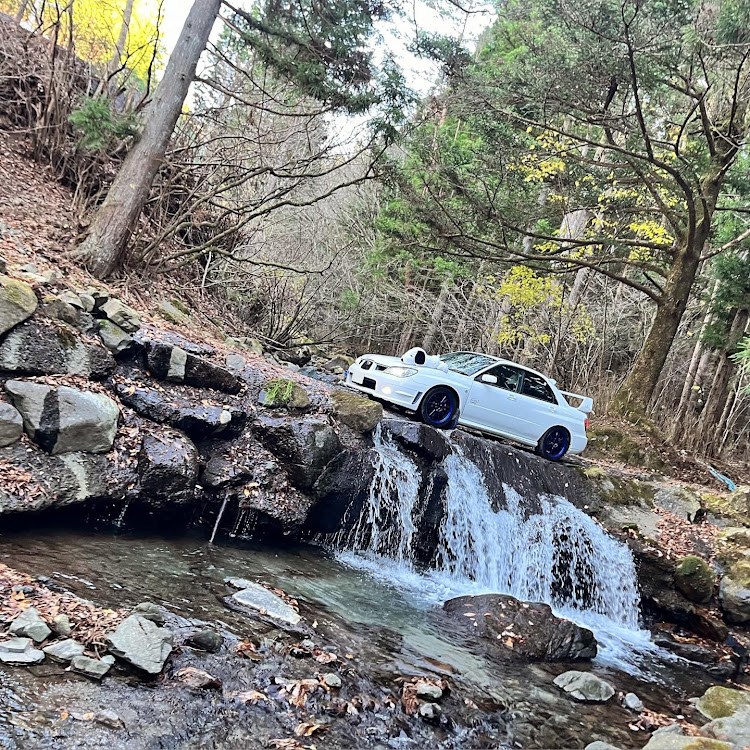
[[586, 423]]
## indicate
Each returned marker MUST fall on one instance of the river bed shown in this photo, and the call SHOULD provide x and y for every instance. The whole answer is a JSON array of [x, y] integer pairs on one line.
[[392, 631]]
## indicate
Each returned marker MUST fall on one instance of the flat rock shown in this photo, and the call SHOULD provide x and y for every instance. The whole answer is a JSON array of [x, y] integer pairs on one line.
[[196, 419], [29, 624], [14, 655], [529, 629], [718, 702], [17, 303], [64, 651], [64, 420], [49, 347], [121, 315], [255, 597], [176, 365], [11, 424], [95, 668], [585, 687], [15, 645], [141, 643]]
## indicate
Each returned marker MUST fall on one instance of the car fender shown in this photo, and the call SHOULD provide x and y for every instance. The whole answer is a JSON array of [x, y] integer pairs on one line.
[[427, 381]]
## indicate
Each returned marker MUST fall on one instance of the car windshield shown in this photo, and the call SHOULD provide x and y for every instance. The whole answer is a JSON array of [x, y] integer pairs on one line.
[[467, 363]]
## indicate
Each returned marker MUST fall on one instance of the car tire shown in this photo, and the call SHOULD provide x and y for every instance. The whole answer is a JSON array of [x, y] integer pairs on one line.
[[439, 408], [554, 444]]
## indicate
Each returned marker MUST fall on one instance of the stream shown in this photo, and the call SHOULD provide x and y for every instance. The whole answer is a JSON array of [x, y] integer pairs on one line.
[[391, 624]]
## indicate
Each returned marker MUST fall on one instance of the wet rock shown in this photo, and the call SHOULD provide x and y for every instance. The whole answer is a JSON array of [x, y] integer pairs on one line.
[[305, 446], [64, 651], [141, 643], [584, 687], [20, 652], [632, 702], [11, 424], [258, 599], [428, 691], [430, 712], [168, 467], [95, 668], [46, 347], [114, 338], [734, 729], [205, 640], [357, 412], [65, 420], [17, 303], [121, 315], [283, 393], [537, 632], [61, 626], [718, 702], [705, 624], [53, 481], [338, 361], [154, 612], [221, 472], [178, 366], [694, 577], [332, 680], [197, 678], [734, 593], [29, 624], [191, 417], [419, 437]]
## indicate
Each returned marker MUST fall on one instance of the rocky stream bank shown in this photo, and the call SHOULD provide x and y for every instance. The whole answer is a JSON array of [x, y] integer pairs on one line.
[[110, 421]]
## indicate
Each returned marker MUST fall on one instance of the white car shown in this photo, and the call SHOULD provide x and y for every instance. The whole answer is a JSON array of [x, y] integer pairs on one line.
[[485, 393]]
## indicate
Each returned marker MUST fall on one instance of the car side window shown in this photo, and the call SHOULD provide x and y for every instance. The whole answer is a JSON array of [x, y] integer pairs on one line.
[[508, 378], [537, 387]]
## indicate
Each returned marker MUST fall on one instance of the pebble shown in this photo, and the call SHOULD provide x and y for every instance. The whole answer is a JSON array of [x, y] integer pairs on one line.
[[61, 625], [64, 651], [429, 691], [430, 711], [95, 668], [30, 624], [206, 640], [332, 680], [632, 702]]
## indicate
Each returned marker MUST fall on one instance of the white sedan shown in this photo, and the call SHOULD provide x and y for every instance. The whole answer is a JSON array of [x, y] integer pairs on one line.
[[485, 393]]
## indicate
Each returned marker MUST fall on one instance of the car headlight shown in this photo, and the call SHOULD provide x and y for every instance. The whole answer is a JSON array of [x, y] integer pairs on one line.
[[401, 372]]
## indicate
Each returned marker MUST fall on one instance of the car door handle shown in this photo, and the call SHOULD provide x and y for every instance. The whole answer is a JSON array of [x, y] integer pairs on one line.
[[511, 397]]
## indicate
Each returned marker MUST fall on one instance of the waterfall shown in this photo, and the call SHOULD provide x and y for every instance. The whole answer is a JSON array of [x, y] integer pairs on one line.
[[560, 555]]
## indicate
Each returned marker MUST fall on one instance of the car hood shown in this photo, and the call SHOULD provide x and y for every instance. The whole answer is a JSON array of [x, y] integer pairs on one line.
[[381, 359]]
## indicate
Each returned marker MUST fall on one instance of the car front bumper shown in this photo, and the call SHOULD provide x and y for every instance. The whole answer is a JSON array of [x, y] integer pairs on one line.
[[401, 391]]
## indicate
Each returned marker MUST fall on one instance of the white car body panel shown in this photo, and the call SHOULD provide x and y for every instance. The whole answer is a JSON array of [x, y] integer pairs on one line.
[[483, 406]]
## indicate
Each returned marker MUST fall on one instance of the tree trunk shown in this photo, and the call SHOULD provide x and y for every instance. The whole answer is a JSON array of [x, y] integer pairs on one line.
[[21, 10], [437, 316], [104, 248], [634, 396], [717, 397], [122, 39]]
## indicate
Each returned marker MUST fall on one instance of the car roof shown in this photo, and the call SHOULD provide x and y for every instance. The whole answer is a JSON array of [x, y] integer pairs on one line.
[[501, 361]]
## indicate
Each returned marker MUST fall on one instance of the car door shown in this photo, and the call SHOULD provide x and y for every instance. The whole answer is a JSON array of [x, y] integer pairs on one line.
[[537, 407], [495, 405]]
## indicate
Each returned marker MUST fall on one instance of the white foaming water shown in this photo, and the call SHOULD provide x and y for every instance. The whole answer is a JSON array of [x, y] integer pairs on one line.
[[546, 551]]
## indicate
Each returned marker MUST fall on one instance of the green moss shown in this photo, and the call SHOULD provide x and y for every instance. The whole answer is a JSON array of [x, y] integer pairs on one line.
[[608, 442], [181, 306], [718, 702], [278, 392], [18, 293]]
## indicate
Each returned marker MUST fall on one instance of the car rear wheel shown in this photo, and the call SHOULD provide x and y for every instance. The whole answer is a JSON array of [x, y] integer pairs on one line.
[[554, 444], [439, 407]]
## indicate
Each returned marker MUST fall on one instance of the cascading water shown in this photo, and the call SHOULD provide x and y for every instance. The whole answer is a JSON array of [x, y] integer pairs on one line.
[[546, 551]]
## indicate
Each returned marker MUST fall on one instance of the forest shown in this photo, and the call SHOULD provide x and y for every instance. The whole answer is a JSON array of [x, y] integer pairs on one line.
[[570, 191]]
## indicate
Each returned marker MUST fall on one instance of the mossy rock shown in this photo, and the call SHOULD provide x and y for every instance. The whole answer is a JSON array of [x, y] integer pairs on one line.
[[281, 392], [608, 442], [694, 578], [735, 506], [356, 412], [718, 702], [17, 303]]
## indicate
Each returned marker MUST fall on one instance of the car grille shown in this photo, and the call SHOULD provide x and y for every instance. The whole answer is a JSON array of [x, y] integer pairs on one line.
[[368, 383]]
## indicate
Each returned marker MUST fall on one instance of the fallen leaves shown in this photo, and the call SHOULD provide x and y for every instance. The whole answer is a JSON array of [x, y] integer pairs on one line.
[[249, 650], [308, 728], [197, 678]]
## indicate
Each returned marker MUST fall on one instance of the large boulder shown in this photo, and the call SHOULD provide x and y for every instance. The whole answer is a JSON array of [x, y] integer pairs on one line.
[[584, 687], [526, 628], [121, 315], [47, 347], [305, 446], [114, 338], [357, 412], [673, 738], [694, 577], [734, 729], [40, 481], [141, 643], [178, 366], [168, 468], [198, 418], [718, 702], [65, 420], [430, 443], [11, 424], [17, 303]]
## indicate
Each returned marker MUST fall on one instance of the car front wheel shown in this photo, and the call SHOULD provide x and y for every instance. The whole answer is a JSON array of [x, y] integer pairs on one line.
[[554, 444], [439, 408]]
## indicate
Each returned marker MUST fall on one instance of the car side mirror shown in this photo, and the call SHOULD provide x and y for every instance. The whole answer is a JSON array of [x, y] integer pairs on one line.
[[489, 379]]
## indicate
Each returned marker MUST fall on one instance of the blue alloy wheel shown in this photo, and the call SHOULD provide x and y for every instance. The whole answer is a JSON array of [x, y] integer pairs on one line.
[[554, 444], [439, 407]]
